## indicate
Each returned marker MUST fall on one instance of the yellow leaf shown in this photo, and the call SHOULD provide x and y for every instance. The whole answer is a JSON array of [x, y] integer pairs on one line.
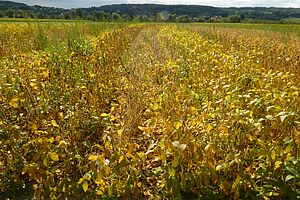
[[102, 159], [61, 115], [277, 164], [99, 180], [207, 147], [121, 159], [45, 74], [249, 136], [261, 142], [209, 127], [169, 126], [57, 138], [120, 132], [33, 127], [273, 155], [85, 186], [80, 180], [147, 129], [92, 75], [63, 144], [155, 106], [104, 115], [93, 158], [54, 124], [99, 192], [45, 162], [178, 125], [192, 111], [288, 149], [266, 198], [223, 128], [141, 128], [24, 170], [32, 84], [100, 176], [54, 156], [14, 103]]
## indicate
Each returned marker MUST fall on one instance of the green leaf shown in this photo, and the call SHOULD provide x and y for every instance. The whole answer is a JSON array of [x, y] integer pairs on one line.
[[272, 194], [236, 183], [289, 177], [219, 167], [292, 170], [282, 118], [287, 140], [45, 162], [172, 172], [269, 117]]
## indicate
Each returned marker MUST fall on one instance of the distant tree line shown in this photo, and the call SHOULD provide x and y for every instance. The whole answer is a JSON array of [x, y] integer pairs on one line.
[[78, 14], [148, 13]]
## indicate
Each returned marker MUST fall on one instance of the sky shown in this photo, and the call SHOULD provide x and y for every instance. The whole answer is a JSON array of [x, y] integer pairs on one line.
[[217, 3]]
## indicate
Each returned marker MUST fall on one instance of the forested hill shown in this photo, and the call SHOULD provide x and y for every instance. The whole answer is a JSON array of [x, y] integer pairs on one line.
[[148, 12], [4, 5], [196, 10], [153, 9]]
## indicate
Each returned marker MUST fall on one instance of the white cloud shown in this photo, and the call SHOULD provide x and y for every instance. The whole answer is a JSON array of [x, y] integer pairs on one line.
[[218, 3]]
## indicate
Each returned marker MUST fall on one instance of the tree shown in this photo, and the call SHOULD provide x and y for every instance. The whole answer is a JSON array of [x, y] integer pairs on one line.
[[137, 18], [145, 18], [116, 17], [172, 18], [201, 19], [78, 13], [234, 19], [67, 16], [99, 16], [10, 13], [182, 19], [73, 14], [23, 14], [162, 16]]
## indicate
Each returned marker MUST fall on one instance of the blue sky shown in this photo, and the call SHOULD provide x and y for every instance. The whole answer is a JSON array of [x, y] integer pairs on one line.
[[218, 3]]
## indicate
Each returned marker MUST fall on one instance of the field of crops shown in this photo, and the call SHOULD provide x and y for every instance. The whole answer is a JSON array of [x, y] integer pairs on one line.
[[282, 28], [148, 111]]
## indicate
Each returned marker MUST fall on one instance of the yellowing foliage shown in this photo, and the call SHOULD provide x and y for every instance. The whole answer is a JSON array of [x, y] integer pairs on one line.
[[149, 112]]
